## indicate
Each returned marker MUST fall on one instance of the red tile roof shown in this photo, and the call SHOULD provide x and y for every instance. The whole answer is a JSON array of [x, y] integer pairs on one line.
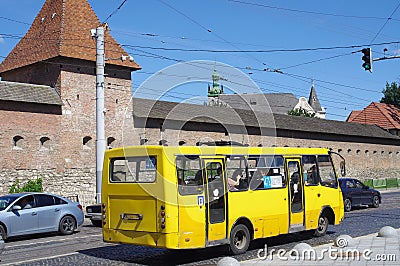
[[386, 116], [62, 28], [352, 115]]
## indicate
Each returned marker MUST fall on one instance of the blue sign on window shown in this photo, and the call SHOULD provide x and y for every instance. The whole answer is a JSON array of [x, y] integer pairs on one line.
[[151, 163], [267, 181], [200, 200]]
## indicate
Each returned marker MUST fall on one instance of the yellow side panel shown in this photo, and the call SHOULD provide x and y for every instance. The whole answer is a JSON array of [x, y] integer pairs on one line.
[[312, 206], [216, 231], [266, 209], [271, 227], [192, 228]]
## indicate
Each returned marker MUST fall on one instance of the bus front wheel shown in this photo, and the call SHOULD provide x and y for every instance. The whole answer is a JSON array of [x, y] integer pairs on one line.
[[239, 240], [322, 226]]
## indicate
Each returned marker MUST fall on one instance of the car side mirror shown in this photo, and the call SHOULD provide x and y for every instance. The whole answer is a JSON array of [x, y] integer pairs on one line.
[[16, 208]]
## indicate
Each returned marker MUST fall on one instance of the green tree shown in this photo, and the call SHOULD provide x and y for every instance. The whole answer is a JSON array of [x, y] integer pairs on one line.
[[391, 94], [30, 186], [300, 112]]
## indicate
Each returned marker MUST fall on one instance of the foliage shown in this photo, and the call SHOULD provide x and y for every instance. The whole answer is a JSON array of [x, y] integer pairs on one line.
[[391, 94], [300, 112], [390, 183], [30, 186]]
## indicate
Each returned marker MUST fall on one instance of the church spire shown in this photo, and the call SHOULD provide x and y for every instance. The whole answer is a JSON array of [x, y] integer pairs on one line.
[[313, 99]]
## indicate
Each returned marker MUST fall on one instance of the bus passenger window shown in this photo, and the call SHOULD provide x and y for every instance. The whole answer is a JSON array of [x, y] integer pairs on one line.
[[310, 170], [189, 174], [237, 179], [326, 171], [268, 174]]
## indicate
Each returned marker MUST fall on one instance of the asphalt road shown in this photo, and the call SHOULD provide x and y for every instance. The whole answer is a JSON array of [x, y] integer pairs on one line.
[[86, 247]]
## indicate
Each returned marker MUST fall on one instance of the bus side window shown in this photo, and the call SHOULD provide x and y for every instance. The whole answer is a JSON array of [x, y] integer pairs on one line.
[[326, 171], [237, 178], [310, 170], [269, 173], [189, 175]]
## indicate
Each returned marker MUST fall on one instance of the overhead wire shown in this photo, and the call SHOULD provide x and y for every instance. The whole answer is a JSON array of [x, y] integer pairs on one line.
[[114, 12], [168, 58], [260, 51], [307, 11], [384, 24]]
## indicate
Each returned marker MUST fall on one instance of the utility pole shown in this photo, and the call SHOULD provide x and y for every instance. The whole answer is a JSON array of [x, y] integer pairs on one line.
[[98, 33]]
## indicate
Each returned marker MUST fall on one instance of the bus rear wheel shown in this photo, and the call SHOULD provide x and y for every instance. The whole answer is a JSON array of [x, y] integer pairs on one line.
[[240, 239]]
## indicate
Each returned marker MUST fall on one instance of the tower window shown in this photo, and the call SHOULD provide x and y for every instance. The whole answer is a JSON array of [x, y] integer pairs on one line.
[[110, 142], [18, 142], [44, 143], [87, 142]]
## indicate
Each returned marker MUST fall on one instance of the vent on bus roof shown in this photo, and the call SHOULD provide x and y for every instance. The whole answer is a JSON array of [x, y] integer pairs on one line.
[[221, 143]]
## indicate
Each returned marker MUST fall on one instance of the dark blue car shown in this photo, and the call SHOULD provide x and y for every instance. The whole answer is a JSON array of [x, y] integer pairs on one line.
[[356, 193]]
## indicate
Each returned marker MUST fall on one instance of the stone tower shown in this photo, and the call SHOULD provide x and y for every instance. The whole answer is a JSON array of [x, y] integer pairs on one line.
[[59, 52]]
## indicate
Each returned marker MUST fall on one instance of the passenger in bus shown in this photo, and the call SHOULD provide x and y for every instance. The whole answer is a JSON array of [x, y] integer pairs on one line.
[[312, 175], [234, 181]]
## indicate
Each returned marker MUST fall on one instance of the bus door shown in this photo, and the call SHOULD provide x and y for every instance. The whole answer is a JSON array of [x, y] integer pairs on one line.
[[296, 204], [214, 170]]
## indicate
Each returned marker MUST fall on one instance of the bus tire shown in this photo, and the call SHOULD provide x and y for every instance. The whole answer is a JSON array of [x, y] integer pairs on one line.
[[322, 226], [240, 239]]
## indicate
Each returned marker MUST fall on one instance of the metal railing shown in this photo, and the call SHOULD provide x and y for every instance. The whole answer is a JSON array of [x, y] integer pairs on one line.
[[383, 183]]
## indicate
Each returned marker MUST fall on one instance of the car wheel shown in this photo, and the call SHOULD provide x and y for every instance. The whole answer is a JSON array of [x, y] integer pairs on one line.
[[347, 205], [3, 233], [240, 239], [375, 202], [96, 223], [67, 225], [322, 226]]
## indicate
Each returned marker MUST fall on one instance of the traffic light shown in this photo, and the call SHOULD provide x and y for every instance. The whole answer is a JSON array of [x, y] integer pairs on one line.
[[367, 58]]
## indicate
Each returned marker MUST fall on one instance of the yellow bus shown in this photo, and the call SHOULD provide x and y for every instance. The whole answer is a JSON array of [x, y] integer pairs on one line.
[[188, 197]]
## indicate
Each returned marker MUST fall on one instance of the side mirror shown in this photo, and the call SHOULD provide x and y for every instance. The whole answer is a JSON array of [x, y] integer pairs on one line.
[[16, 208], [343, 168]]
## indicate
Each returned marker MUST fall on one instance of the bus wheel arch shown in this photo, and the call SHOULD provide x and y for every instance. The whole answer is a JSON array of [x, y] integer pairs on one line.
[[241, 234]]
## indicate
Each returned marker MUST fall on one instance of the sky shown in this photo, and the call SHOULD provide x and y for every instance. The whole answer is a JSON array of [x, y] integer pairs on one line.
[[281, 46]]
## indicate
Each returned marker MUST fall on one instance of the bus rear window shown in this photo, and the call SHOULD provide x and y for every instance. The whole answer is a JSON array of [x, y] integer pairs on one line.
[[133, 170]]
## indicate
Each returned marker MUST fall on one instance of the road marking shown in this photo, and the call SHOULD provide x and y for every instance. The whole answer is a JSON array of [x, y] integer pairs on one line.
[[44, 242], [37, 259]]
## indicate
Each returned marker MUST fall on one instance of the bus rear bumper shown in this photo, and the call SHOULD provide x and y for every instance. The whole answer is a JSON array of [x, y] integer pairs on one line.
[[138, 238]]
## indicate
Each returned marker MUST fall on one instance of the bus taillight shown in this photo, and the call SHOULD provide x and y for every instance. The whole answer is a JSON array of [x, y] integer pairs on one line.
[[162, 214]]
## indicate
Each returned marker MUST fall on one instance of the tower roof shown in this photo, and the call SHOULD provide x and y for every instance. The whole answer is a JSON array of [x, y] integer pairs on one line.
[[313, 100], [62, 28]]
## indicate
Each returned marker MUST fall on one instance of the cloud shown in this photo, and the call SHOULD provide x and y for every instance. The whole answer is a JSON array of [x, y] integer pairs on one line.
[[1, 39], [396, 52]]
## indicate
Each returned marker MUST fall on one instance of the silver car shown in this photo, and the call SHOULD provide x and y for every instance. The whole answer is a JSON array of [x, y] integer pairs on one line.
[[32, 212]]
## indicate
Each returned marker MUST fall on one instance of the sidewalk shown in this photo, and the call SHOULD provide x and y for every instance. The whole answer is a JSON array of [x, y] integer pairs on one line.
[[381, 248]]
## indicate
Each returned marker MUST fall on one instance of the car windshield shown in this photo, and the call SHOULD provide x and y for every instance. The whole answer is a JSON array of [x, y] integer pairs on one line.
[[5, 201]]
